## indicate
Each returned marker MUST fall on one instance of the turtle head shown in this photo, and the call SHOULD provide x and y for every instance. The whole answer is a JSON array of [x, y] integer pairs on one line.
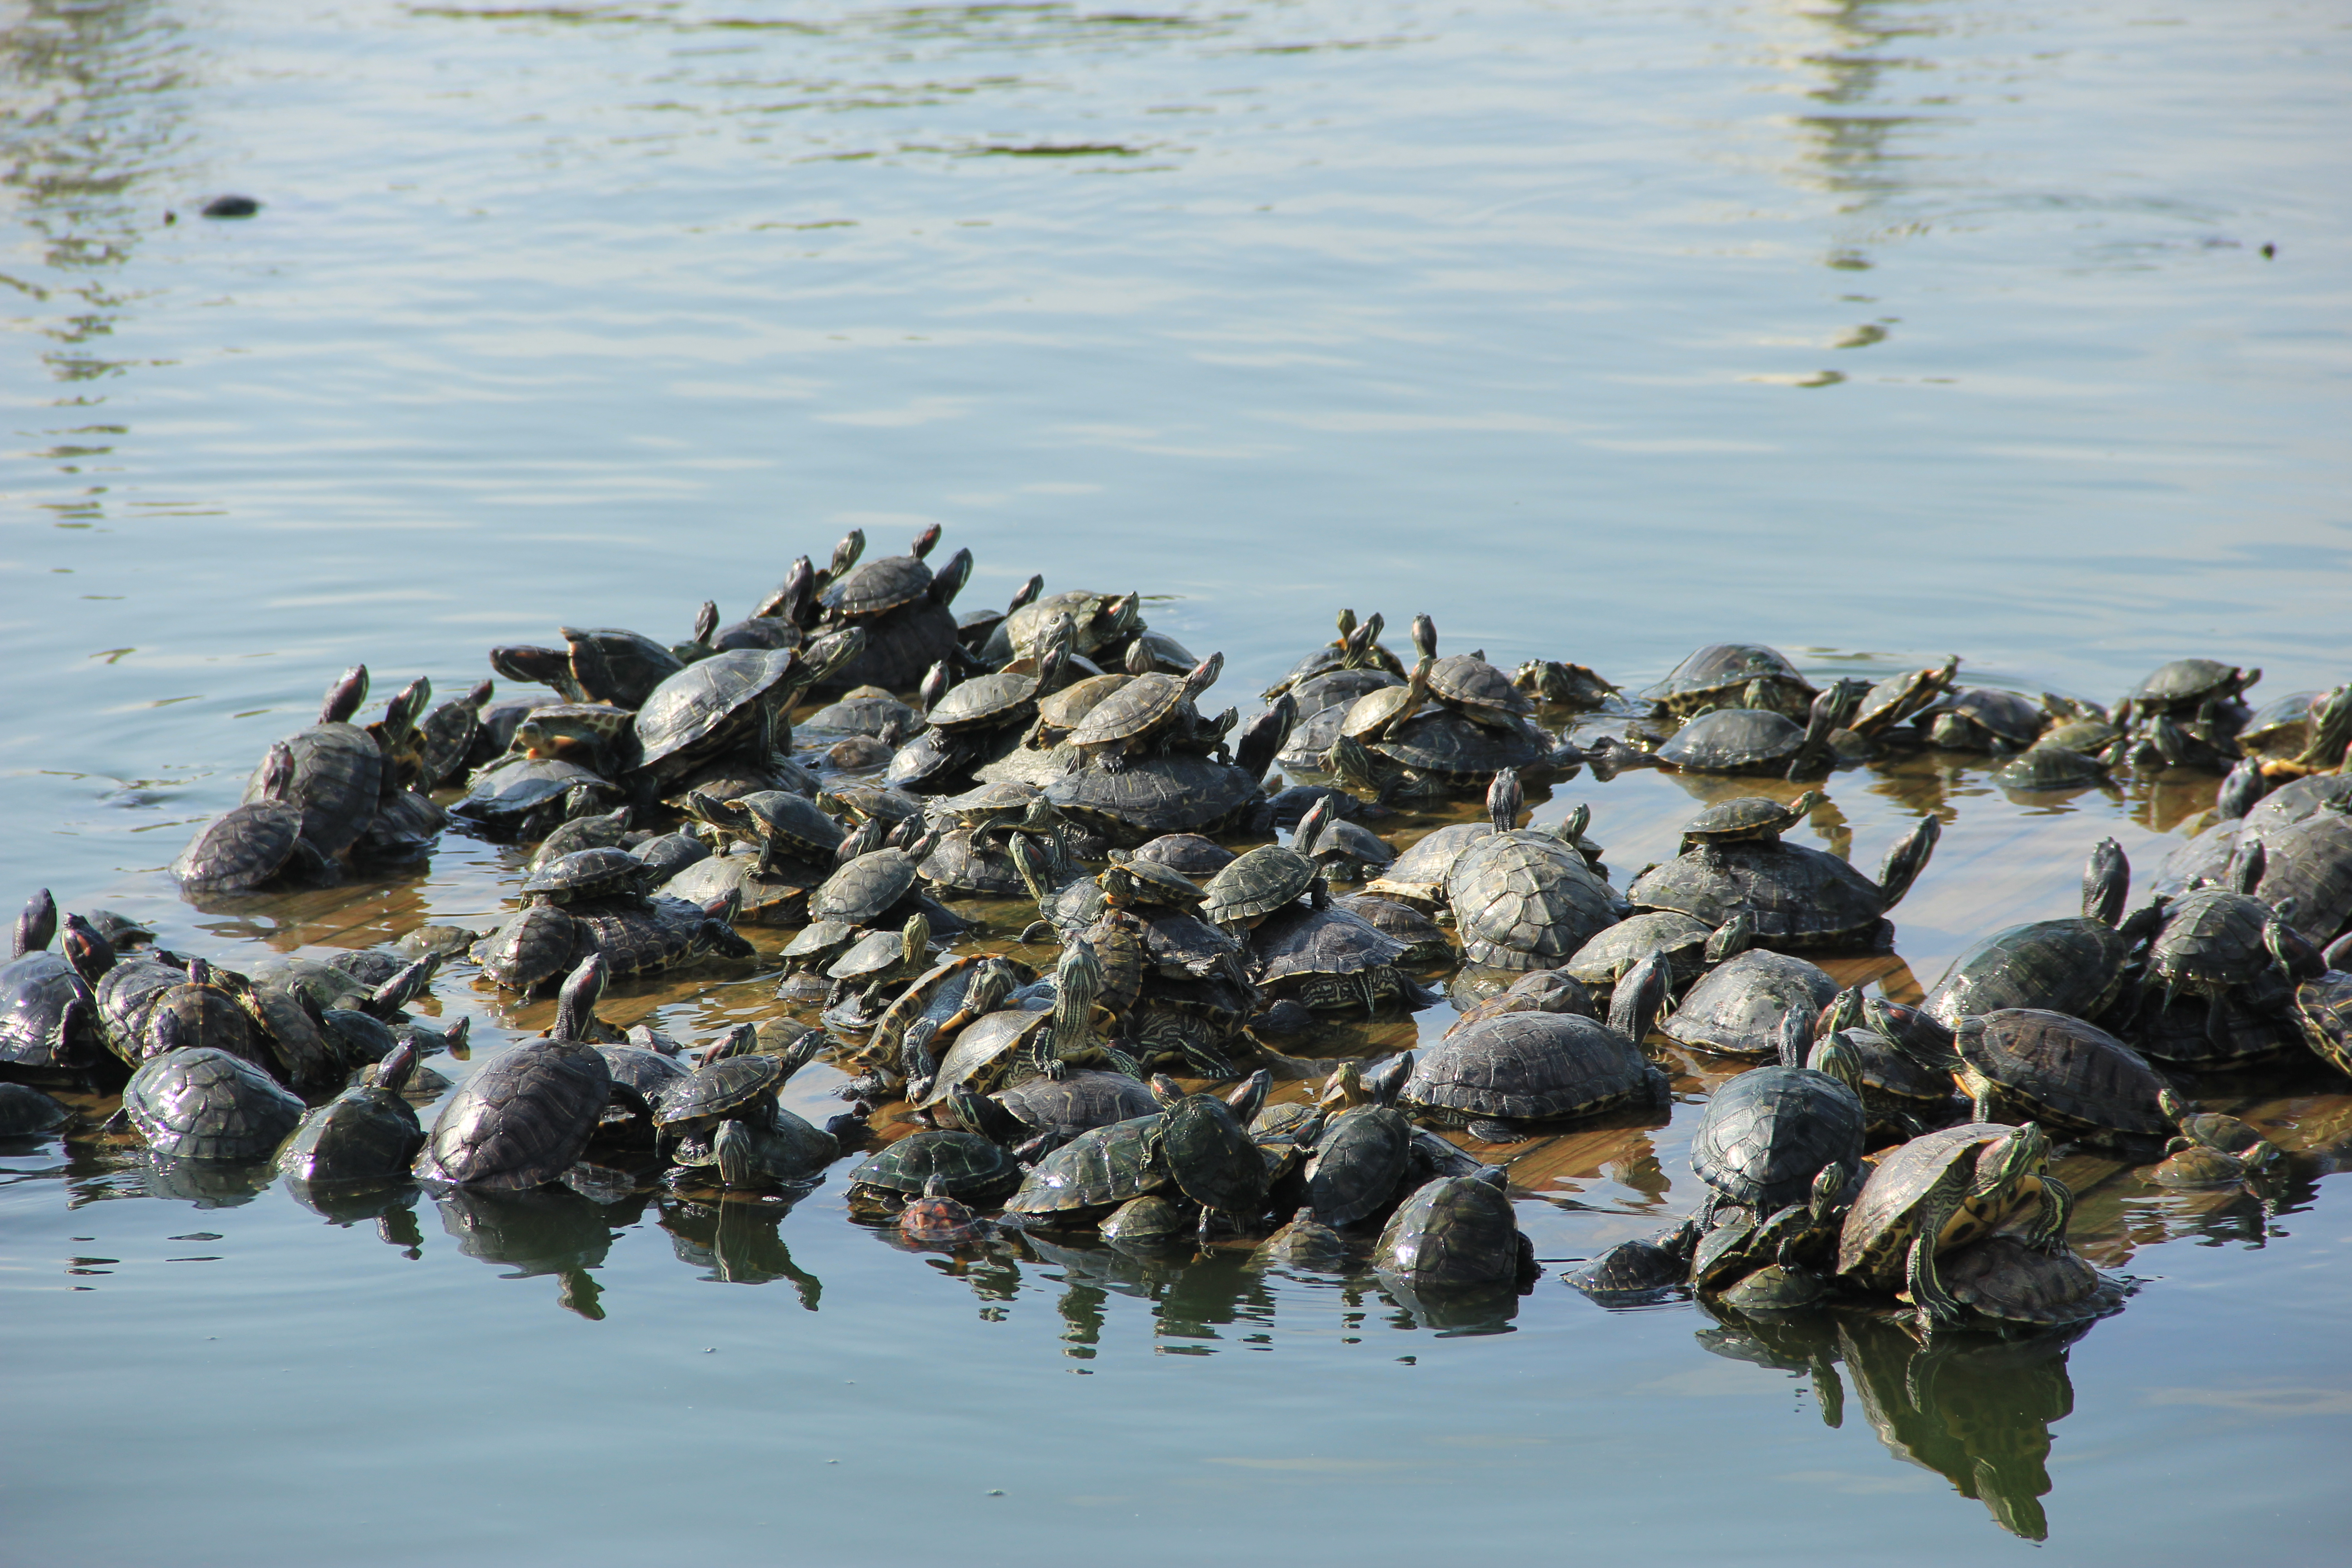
[[1733, 937], [90, 954], [1031, 862], [1350, 761], [402, 713], [1828, 1185], [925, 543], [2171, 1104], [935, 1186], [2106, 882], [796, 597], [1640, 997], [1802, 807], [278, 774], [1204, 675], [915, 941], [1140, 659], [794, 1056], [820, 658], [1505, 796], [742, 1040], [705, 622], [2021, 1153], [1907, 860], [1345, 1086], [1356, 646], [1387, 1081], [1424, 639], [1844, 1012], [845, 555], [915, 1058], [1835, 1057], [988, 990], [2247, 861], [1311, 826], [1264, 736], [949, 579], [36, 926], [1917, 1035], [1496, 1177], [399, 1064], [1166, 1091], [1026, 594], [344, 697], [935, 683], [1250, 1098], [1347, 624], [405, 987], [575, 1005]]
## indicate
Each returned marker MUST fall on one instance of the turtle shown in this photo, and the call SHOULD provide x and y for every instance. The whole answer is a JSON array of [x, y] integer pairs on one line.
[[2217, 944], [873, 968], [1524, 900], [778, 1150], [2006, 1282], [2306, 874], [1362, 1156], [1767, 1134], [1418, 875], [1343, 688], [1799, 898], [1149, 1223], [520, 797], [776, 897], [1204, 1143], [1358, 647], [1189, 855], [779, 824], [2281, 727], [1098, 621], [446, 736], [27, 1112], [1100, 1168], [1154, 796], [1903, 1096], [1374, 713], [2182, 687], [889, 584], [1059, 712], [867, 888], [1635, 1273], [1080, 1099], [1454, 1232], [1333, 959], [950, 995], [589, 875], [537, 943], [1987, 719], [639, 938], [937, 1219], [1254, 886], [1898, 699], [983, 1054], [1747, 818], [49, 1012], [2072, 965], [597, 735], [1502, 1074], [1467, 683], [2065, 1073], [367, 1134], [521, 1120], [713, 704], [596, 664], [1691, 947], [258, 842], [2323, 1012], [669, 853], [1538, 991], [1737, 1008], [200, 1103], [1145, 709], [1423, 938], [1006, 700], [1737, 740], [598, 830], [338, 771], [1435, 752], [1564, 685], [2044, 767], [1943, 1190], [1723, 675]]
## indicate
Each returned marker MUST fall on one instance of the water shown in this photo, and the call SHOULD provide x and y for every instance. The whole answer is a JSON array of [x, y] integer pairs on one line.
[[1878, 331]]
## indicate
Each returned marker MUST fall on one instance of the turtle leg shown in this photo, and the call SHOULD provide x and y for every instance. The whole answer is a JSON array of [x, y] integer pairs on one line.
[[767, 855], [1984, 1103], [2047, 1230], [1208, 1223], [1493, 1129], [1112, 759], [1204, 1061], [1372, 997], [1936, 1307], [1121, 1062]]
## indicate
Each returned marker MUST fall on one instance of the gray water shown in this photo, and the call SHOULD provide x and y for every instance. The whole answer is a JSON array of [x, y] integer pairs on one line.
[[1876, 331]]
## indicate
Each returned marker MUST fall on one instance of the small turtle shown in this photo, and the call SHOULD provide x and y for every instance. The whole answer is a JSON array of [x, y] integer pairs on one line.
[[1361, 1157], [589, 875], [1187, 854], [599, 664], [1375, 714], [1747, 818], [2043, 767], [889, 584], [338, 774], [198, 1104], [368, 1132], [711, 704], [1636, 1273], [1899, 698], [937, 1219], [1455, 1232], [1467, 683], [2182, 687], [1260, 882], [1538, 991], [521, 1120], [1691, 946]]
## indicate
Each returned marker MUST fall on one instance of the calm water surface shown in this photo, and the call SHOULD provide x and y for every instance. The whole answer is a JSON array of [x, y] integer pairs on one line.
[[1878, 331]]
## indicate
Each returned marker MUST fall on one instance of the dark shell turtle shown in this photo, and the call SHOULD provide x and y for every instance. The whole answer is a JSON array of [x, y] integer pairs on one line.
[[1254, 886], [1738, 1009], [885, 584], [521, 1120], [1118, 726], [2185, 685], [2044, 767], [1454, 1231], [1343, 688], [1987, 719], [1187, 854], [2003, 1282], [970, 1165], [596, 735], [2279, 729], [2309, 863], [598, 830], [1535, 1068], [983, 1053], [1900, 698], [1099, 1168], [866, 888], [670, 853], [27, 1112], [1330, 959], [1720, 676], [535, 946], [1361, 1157], [1748, 816], [1080, 1099], [338, 772], [641, 938], [1525, 899], [1450, 747], [369, 1132], [1538, 991], [2213, 941], [200, 1103], [718, 1089], [1632, 1273], [1210, 1155], [776, 898], [1766, 1135], [1418, 875], [1618, 948], [526, 797], [649, 1073], [1797, 897], [2073, 965], [447, 736], [1735, 741], [1968, 1181], [255, 843], [967, 862], [708, 705], [598, 664], [1153, 795], [48, 1015], [778, 823], [588, 875], [1423, 940], [1482, 692], [2061, 1071], [2323, 1011]]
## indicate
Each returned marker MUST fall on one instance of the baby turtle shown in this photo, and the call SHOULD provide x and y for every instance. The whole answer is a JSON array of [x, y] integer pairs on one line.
[[937, 1219]]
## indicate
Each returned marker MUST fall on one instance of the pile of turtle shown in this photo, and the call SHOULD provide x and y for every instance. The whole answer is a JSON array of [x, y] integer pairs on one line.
[[876, 778]]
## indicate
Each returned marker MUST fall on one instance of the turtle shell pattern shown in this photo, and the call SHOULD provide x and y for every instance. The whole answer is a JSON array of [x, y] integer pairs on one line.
[[1797, 897], [704, 701], [1363, 1154], [971, 1164], [2072, 965], [1874, 1242], [241, 849], [1765, 1135], [1737, 1008], [866, 888], [1525, 900], [205, 1104], [717, 1087], [1455, 1230], [1101, 1166], [521, 1121], [2004, 1279], [1530, 1066], [1733, 739], [1154, 796], [2073, 1073], [1084, 1097]]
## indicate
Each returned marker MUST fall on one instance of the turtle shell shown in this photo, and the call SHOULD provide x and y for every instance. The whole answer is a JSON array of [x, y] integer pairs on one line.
[[1100, 1166], [615, 666], [1340, 687], [983, 1052], [2071, 1074], [1211, 1157], [878, 587], [1767, 1133], [773, 897], [1530, 1066], [587, 874], [2281, 727], [1798, 897], [1081, 1097], [1471, 681], [2323, 1011], [1068, 709], [1156, 884], [985, 703], [2006, 1281], [26, 1111], [2073, 965], [1874, 1242], [965, 861], [877, 953], [2184, 684], [792, 822], [1737, 1008], [2010, 717], [1363, 1154], [1611, 952], [2311, 862], [1722, 669], [1144, 704], [704, 706], [201, 1104], [1444, 744], [1742, 817], [2212, 938], [820, 941], [2047, 767], [521, 1121], [241, 849], [715, 1089], [1525, 900], [866, 888], [366, 1133], [1303, 749], [971, 1166], [35, 991], [1296, 942], [1187, 854], [1256, 884], [1453, 1231], [1635, 1271], [1153, 795], [1419, 874], [640, 938], [648, 1072], [2295, 801], [338, 782], [513, 793], [1733, 740], [1423, 940], [535, 946], [2209, 1033]]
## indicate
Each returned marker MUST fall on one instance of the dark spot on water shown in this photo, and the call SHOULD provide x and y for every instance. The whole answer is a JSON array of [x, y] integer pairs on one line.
[[231, 206]]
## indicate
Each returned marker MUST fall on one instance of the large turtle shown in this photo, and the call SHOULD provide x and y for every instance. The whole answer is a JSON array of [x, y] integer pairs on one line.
[[2060, 1070], [521, 1120], [1767, 1134], [338, 771], [1941, 1191], [2071, 965], [1799, 898], [199, 1103], [1455, 1232], [367, 1134]]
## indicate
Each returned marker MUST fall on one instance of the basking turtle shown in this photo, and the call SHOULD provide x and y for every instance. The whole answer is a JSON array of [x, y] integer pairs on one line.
[[1766, 1135], [867, 888], [1538, 991], [1204, 1143], [2323, 1011], [1799, 898], [2059, 1070], [1987, 719], [1423, 938], [983, 1054], [519, 797], [1738, 1009], [716, 703], [1730, 675], [1455, 1231], [1008, 699], [521, 1120], [1418, 876], [1747, 818], [1943, 1190], [1467, 683], [880, 586], [2006, 1282], [1154, 796], [1330, 959], [1078, 1100], [2073, 965], [1098, 1169], [1147, 708], [1691, 946], [199, 1103], [1188, 855], [1523, 899], [338, 771], [765, 1154], [589, 875], [1636, 1273], [937, 1219], [779, 824], [445, 736], [1268, 879], [1735, 741], [48, 1013], [1361, 1157], [1501, 1075], [2043, 767], [2182, 689], [1899, 698], [369, 1132], [532, 947], [599, 664], [1149, 1223], [27, 1112], [256, 843], [598, 830]]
